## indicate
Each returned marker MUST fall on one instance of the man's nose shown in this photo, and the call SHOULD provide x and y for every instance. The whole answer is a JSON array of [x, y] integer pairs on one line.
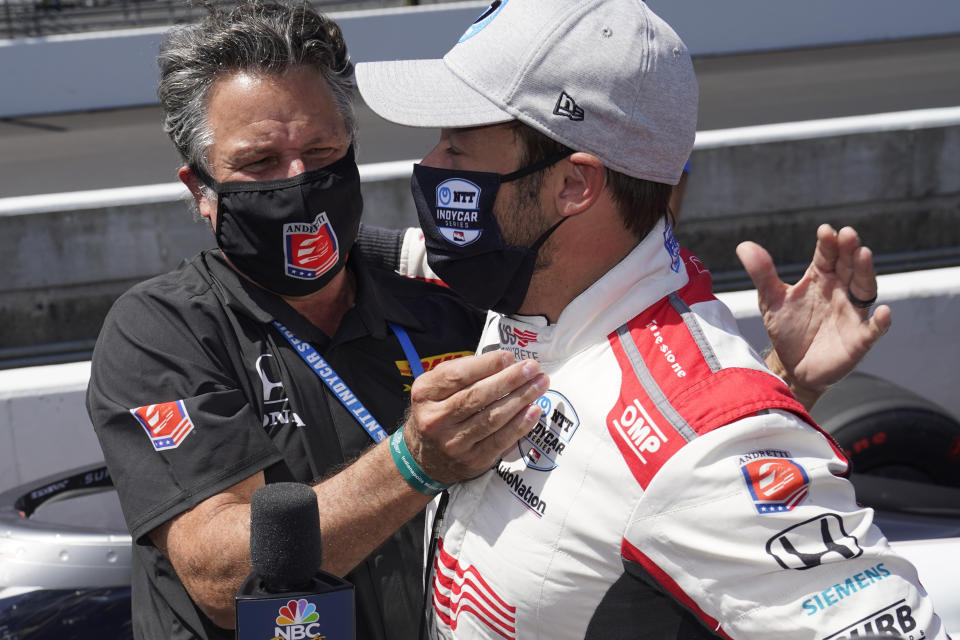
[[434, 158], [296, 167]]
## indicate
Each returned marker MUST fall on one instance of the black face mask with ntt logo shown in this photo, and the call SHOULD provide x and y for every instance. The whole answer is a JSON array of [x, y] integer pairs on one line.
[[290, 236], [464, 244]]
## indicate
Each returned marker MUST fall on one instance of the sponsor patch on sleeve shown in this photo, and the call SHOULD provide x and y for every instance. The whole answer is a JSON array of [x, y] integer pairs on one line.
[[166, 424], [646, 443], [775, 484]]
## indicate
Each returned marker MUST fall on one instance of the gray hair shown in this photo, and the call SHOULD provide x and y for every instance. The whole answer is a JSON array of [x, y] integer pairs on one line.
[[256, 36]]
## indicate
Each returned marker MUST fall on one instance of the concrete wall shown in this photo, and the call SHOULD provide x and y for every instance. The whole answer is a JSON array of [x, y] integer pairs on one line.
[[895, 177], [44, 427], [66, 257], [118, 68]]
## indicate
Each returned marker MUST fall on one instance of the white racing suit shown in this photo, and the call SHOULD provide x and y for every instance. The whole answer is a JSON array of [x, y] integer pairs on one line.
[[673, 488]]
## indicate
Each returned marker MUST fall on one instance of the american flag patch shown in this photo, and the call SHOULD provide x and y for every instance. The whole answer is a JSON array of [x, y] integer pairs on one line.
[[167, 424]]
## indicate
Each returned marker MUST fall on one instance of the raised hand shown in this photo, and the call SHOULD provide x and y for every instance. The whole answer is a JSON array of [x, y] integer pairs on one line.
[[821, 327]]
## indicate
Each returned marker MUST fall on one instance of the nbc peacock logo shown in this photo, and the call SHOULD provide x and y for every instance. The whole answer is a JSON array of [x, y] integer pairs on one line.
[[298, 620]]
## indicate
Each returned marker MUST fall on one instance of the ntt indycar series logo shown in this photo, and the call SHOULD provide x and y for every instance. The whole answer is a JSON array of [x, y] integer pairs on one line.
[[310, 249], [546, 442], [458, 211]]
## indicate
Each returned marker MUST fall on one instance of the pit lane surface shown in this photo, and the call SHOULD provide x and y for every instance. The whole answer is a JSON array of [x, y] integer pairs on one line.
[[126, 147]]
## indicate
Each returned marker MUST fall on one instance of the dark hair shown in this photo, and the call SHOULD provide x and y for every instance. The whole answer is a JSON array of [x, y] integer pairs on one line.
[[641, 203], [255, 36]]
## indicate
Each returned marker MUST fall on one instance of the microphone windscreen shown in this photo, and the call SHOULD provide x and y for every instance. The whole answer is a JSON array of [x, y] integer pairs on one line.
[[285, 535]]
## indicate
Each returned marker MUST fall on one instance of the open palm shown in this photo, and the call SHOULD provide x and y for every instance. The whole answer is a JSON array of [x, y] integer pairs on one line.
[[818, 334]]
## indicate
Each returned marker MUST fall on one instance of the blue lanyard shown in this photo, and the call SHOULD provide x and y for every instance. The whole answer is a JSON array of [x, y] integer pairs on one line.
[[408, 349], [339, 387]]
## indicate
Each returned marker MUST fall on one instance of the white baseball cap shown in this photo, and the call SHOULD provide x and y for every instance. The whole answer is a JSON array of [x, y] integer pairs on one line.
[[607, 77]]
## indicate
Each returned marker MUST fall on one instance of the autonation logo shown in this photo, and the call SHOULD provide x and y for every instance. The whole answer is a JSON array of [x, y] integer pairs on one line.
[[298, 620]]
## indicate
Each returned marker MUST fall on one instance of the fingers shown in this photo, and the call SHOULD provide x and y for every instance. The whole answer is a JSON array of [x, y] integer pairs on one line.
[[863, 279], [466, 412], [880, 321], [479, 423], [827, 251], [451, 377], [848, 245], [759, 266]]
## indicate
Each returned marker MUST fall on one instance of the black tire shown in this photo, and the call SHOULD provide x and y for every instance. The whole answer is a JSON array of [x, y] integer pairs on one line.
[[889, 431]]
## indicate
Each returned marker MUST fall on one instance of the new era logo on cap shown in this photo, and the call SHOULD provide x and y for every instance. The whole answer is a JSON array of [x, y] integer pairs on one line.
[[567, 107]]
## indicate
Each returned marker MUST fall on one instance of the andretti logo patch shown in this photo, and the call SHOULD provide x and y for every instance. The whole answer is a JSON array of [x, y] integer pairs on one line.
[[775, 484], [310, 249], [458, 211], [167, 424]]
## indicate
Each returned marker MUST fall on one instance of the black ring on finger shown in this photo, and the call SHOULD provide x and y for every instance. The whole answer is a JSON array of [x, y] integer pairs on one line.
[[860, 304]]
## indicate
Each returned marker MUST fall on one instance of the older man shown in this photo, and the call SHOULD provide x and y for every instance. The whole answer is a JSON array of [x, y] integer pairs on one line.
[[280, 356], [673, 487]]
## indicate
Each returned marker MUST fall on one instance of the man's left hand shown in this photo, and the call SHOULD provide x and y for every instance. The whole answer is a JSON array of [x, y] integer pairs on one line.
[[821, 327]]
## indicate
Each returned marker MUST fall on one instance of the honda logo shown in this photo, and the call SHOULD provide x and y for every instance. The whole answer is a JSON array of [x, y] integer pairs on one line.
[[812, 543]]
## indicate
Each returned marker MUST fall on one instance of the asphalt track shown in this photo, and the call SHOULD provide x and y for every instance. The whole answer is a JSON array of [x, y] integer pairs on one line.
[[126, 147]]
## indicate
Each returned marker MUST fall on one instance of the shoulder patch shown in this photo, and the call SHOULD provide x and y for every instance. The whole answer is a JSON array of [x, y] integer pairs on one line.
[[166, 424]]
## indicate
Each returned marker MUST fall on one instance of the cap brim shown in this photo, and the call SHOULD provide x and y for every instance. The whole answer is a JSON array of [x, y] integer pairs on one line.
[[424, 93]]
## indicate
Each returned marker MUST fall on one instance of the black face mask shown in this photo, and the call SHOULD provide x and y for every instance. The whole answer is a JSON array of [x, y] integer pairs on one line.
[[464, 244], [290, 236]]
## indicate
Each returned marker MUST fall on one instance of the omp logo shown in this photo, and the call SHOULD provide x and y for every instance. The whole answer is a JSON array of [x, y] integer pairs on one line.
[[430, 362], [895, 620], [298, 619], [310, 250], [457, 211], [811, 543], [460, 590], [775, 484], [639, 431], [166, 424]]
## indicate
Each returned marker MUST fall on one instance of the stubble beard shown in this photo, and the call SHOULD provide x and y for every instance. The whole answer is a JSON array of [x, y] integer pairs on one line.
[[521, 218]]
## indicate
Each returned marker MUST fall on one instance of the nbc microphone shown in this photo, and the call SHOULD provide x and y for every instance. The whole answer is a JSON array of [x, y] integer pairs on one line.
[[288, 597]]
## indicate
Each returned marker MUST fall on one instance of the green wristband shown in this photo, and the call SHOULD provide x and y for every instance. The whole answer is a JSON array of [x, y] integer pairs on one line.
[[409, 469]]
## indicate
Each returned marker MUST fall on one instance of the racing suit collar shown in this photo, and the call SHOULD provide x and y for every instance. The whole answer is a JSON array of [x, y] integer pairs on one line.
[[647, 274]]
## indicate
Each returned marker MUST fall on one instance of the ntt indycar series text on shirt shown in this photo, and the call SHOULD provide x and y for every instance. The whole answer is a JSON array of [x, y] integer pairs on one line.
[[672, 489]]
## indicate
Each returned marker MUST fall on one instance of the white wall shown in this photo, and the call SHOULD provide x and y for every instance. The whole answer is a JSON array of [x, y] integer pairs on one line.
[[118, 68]]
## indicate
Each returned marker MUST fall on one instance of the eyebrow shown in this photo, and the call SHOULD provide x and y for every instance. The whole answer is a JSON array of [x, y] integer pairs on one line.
[[258, 147]]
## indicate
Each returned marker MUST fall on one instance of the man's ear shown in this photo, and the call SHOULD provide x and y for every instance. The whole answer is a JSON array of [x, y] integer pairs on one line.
[[196, 187], [584, 178]]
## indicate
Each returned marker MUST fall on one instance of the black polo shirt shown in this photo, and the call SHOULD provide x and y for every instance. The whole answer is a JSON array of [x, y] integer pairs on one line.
[[192, 390]]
